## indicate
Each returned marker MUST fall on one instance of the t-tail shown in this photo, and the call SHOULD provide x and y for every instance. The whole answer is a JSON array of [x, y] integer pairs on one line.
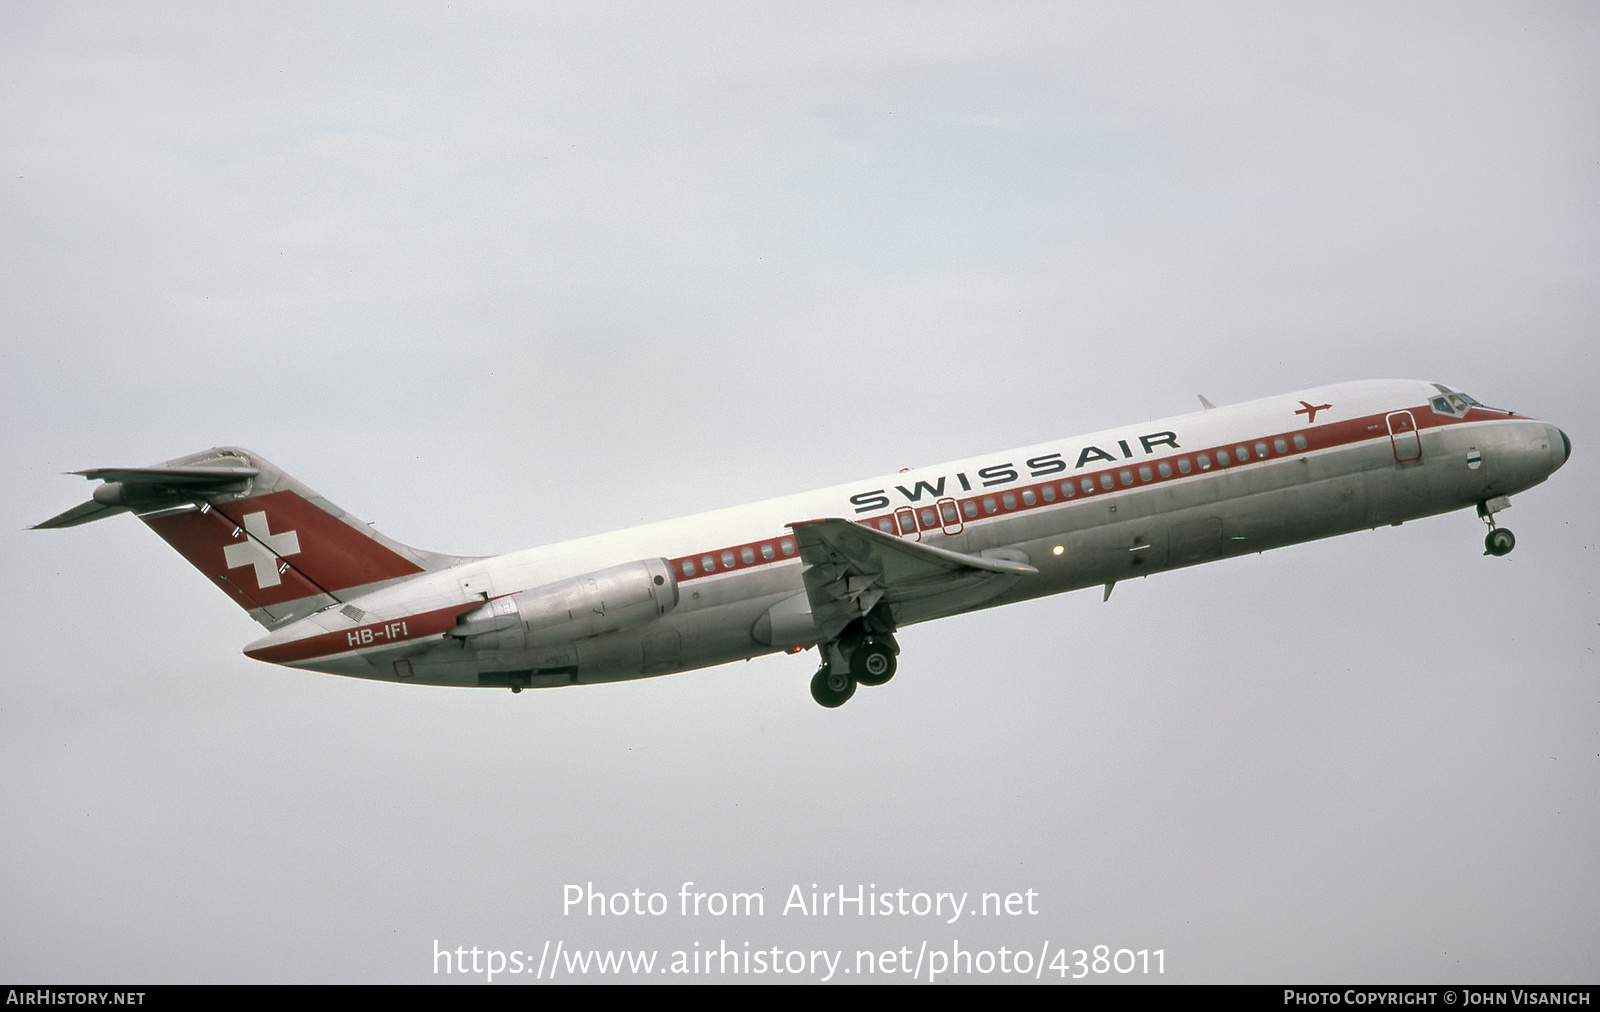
[[273, 545]]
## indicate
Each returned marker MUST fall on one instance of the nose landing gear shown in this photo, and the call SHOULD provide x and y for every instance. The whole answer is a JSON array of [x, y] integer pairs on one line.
[[1499, 541]]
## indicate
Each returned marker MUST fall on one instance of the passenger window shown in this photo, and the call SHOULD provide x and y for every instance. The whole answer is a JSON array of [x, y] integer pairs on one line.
[[929, 520], [989, 505], [886, 525], [1049, 493], [1222, 458], [1066, 490], [1241, 454], [727, 560], [1088, 485], [748, 555], [1279, 445], [708, 564], [1127, 477], [1183, 465], [688, 567], [1106, 481], [970, 508], [1164, 469], [1028, 499], [768, 553], [1009, 500], [1299, 441], [1204, 461], [786, 546], [1144, 472], [1261, 451], [948, 512]]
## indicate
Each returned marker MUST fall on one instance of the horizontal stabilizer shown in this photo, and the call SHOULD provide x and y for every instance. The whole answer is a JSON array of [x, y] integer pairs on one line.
[[175, 476], [149, 488], [84, 514], [275, 547]]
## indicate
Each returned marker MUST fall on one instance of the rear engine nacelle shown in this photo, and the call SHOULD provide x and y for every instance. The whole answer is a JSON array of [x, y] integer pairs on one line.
[[605, 601]]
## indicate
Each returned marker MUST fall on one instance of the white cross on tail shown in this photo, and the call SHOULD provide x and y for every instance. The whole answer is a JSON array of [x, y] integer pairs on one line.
[[250, 551]]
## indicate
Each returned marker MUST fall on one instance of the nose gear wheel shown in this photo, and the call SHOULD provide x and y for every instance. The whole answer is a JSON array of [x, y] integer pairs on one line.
[[1499, 541]]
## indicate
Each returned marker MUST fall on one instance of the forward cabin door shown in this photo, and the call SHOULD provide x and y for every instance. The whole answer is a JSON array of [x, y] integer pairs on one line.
[[1403, 437]]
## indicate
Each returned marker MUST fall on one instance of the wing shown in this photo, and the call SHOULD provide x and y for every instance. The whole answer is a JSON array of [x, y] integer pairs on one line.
[[852, 568]]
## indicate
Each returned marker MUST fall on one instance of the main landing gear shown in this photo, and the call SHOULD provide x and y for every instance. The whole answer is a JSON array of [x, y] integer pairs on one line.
[[1499, 540], [867, 660], [832, 688]]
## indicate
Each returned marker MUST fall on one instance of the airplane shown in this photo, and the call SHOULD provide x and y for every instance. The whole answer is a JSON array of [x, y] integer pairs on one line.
[[843, 569]]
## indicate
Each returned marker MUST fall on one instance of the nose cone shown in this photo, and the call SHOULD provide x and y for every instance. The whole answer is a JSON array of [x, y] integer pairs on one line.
[[1524, 452], [1558, 457]]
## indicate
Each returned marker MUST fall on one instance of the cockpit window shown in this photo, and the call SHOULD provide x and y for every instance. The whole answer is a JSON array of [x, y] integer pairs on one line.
[[1452, 402]]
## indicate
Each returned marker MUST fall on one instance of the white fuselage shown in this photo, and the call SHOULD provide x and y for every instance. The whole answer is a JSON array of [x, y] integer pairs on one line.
[[1083, 511]]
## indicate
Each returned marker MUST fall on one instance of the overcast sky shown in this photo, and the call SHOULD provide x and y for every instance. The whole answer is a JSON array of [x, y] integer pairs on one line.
[[498, 276]]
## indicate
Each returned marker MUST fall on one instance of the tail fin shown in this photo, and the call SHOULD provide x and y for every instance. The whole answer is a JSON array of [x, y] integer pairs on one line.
[[273, 545]]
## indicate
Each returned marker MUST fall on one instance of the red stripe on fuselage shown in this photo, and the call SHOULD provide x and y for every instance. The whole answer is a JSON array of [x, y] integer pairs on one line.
[[372, 634], [1330, 435]]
